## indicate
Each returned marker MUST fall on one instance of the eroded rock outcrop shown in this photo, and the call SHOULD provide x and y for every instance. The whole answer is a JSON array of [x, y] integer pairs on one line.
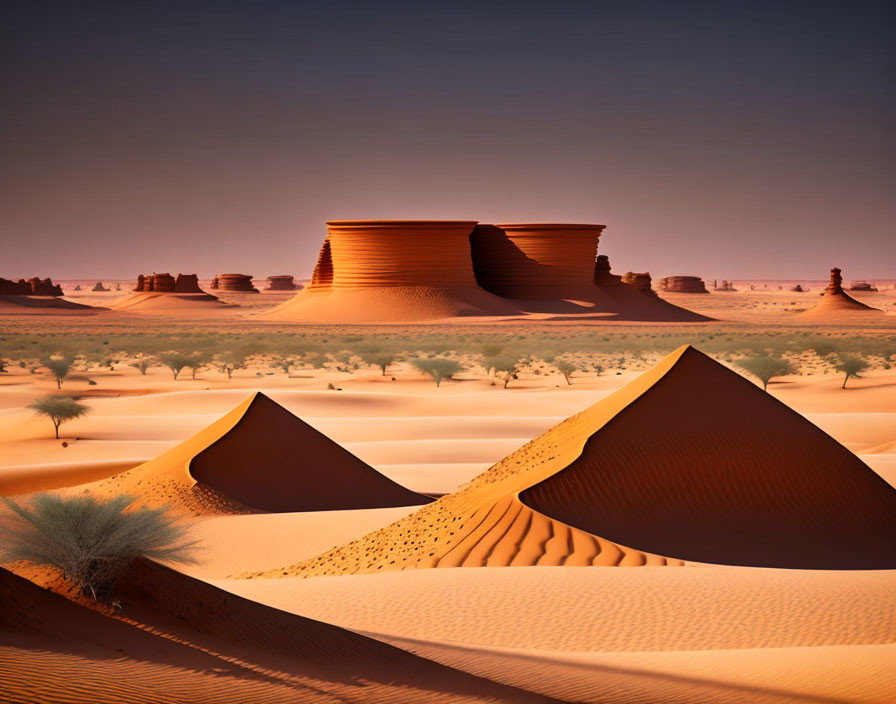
[[281, 283], [34, 286], [602, 274], [372, 271], [241, 283], [836, 303], [682, 284], [639, 281], [98, 287], [536, 261], [166, 283]]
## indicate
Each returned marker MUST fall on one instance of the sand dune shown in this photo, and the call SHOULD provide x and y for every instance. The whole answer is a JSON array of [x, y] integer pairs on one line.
[[173, 304], [258, 457], [656, 470], [183, 640], [49, 305]]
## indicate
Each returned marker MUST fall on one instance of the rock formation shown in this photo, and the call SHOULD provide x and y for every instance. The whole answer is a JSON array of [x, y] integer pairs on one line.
[[536, 261], [372, 271], [639, 281], [724, 286], [861, 286], [682, 284], [797, 289], [602, 275], [836, 303], [241, 283], [166, 283], [29, 287], [655, 475], [281, 283], [98, 286]]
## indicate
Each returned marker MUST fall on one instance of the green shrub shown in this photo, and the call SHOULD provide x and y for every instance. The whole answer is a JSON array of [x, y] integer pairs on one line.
[[91, 541]]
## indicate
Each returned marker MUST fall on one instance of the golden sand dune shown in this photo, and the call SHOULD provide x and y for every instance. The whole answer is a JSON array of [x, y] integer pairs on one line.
[[170, 303], [183, 640], [258, 457], [49, 305], [836, 305], [687, 462]]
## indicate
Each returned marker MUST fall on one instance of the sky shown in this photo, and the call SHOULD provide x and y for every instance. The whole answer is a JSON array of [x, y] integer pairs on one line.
[[724, 139]]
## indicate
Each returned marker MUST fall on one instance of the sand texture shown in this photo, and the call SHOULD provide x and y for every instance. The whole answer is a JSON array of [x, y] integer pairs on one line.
[[701, 485], [181, 640]]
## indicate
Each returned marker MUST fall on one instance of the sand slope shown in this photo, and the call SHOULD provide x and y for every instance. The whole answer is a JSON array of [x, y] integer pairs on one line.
[[259, 457], [836, 307], [181, 640], [688, 462]]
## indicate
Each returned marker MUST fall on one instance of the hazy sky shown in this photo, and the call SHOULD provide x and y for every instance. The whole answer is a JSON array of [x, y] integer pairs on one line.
[[725, 139]]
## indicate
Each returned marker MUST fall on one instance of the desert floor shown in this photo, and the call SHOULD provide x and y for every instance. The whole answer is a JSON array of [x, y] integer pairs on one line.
[[588, 634]]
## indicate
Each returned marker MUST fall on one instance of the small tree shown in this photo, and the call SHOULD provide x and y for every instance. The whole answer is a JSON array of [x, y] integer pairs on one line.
[[438, 368], [58, 409], [851, 365], [379, 359], [59, 367], [765, 367], [565, 368], [91, 541], [285, 363], [506, 368], [198, 360], [229, 361], [142, 365], [175, 361]]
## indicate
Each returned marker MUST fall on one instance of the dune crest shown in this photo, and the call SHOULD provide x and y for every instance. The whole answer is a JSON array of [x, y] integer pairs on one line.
[[689, 461], [259, 457], [180, 639]]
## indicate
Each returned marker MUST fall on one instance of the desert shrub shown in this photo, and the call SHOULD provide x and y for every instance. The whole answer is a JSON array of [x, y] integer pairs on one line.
[[229, 361], [59, 367], [506, 368], [851, 365], [438, 368], [91, 541], [565, 368], [142, 365], [765, 367], [198, 361], [58, 409], [176, 361]]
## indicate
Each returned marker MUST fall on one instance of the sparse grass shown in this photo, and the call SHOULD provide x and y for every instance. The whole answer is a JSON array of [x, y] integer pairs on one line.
[[91, 541]]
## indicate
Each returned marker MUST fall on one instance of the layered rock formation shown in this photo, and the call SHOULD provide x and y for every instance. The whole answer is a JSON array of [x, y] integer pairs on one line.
[[393, 271], [98, 287], [293, 468], [536, 261], [234, 282], [166, 283], [639, 281], [836, 303], [682, 284], [861, 286], [602, 275], [29, 287], [653, 474], [281, 283]]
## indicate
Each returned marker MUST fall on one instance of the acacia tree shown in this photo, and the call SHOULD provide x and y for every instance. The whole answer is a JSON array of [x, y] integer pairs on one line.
[[851, 365], [438, 368], [506, 368], [565, 368], [58, 409], [175, 361], [766, 367], [59, 367], [379, 359], [229, 361], [142, 365], [198, 360], [91, 541]]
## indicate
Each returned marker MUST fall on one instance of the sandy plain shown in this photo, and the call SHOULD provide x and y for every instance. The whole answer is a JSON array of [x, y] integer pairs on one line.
[[581, 634]]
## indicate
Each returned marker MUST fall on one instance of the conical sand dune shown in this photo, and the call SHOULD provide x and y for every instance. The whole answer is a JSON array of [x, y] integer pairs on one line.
[[182, 640], [687, 462], [262, 457]]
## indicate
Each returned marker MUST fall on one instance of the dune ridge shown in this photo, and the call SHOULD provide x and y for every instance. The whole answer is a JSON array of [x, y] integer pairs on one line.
[[653, 474], [258, 457], [180, 639]]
